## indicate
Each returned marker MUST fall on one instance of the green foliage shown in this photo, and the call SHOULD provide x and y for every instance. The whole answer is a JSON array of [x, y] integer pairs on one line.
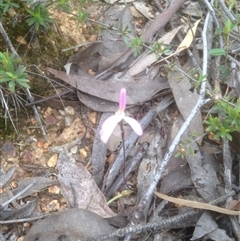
[[231, 4], [63, 5], [158, 49], [228, 27], [39, 16], [224, 70], [11, 72], [81, 16], [184, 149], [217, 52], [135, 43], [5, 5], [199, 79], [227, 121], [123, 30]]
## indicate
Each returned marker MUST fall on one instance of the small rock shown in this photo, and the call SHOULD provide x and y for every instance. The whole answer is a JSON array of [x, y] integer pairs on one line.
[[20, 238], [50, 120], [74, 149], [47, 144], [40, 144], [61, 112], [54, 189], [53, 206], [52, 162], [83, 153], [69, 110], [92, 117], [68, 121], [48, 112]]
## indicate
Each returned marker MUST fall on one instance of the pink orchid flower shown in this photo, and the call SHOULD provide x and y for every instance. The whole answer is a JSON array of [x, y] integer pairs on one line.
[[110, 123]]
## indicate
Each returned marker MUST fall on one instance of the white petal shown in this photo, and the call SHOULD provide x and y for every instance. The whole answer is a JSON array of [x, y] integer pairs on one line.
[[134, 124], [108, 127]]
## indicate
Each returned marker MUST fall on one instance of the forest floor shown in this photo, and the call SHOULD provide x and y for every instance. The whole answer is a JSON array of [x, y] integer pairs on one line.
[[64, 164]]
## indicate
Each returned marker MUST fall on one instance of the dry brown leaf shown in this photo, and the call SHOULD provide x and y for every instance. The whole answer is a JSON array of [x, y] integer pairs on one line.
[[147, 59], [146, 11], [137, 91], [198, 205], [186, 99], [79, 188], [40, 184], [187, 41]]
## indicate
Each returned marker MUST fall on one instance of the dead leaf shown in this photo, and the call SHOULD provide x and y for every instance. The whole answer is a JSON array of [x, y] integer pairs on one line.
[[9, 149], [72, 224], [235, 205], [137, 92], [148, 167], [79, 188], [96, 103], [99, 151], [187, 41], [186, 99], [22, 212], [40, 183], [4, 178], [143, 9], [207, 229], [147, 59], [198, 205]]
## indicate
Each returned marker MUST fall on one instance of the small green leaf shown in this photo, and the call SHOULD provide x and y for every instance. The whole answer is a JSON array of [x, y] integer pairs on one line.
[[217, 52], [178, 154], [228, 27], [11, 86]]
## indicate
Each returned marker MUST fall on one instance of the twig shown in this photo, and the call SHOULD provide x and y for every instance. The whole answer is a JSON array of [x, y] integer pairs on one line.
[[227, 161], [67, 146], [7, 112], [131, 165], [37, 116], [2, 206], [23, 220], [226, 10], [235, 77], [8, 41], [81, 45], [58, 95], [201, 101], [160, 21], [173, 222], [212, 12], [146, 120], [29, 95]]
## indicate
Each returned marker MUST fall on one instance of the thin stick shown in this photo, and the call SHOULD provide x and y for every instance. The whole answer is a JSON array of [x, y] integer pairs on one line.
[[8, 41], [201, 101], [124, 154], [2, 206]]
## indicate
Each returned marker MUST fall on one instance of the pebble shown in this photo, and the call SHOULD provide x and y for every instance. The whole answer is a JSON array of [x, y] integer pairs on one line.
[[69, 110], [67, 120], [52, 162], [83, 153], [92, 117]]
